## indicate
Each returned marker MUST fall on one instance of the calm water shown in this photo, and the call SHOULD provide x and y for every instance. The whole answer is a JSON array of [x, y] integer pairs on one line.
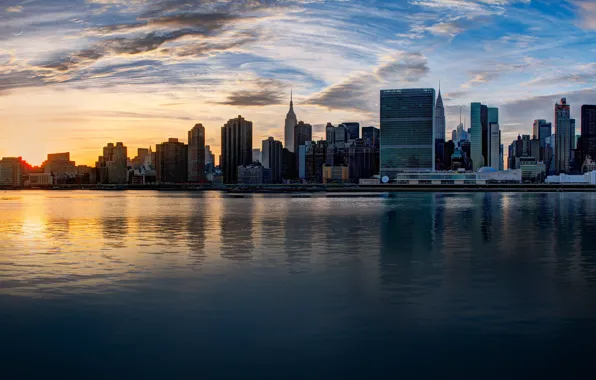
[[160, 285]]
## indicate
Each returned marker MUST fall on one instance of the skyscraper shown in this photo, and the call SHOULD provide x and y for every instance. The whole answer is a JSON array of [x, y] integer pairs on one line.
[[291, 122], [302, 134], [236, 147], [172, 162], [209, 156], [477, 148], [572, 133], [372, 134], [112, 165], [563, 136], [495, 146], [588, 132], [272, 158], [439, 118], [481, 117], [196, 154], [353, 130], [407, 130]]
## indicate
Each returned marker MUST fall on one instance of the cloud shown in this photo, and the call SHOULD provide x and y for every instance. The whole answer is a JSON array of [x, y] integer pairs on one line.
[[264, 92], [587, 14], [361, 91], [14, 9]]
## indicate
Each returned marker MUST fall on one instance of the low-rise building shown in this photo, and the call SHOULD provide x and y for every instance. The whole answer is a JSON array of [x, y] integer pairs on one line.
[[585, 179], [39, 180], [253, 174], [335, 174], [11, 172]]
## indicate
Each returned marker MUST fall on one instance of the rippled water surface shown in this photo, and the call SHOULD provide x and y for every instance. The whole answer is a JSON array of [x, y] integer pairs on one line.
[[157, 285]]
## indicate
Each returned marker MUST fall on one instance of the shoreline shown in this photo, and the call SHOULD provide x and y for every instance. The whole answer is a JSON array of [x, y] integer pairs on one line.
[[323, 189]]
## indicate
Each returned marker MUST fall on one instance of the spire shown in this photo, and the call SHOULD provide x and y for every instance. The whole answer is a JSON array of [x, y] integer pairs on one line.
[[459, 113], [291, 101]]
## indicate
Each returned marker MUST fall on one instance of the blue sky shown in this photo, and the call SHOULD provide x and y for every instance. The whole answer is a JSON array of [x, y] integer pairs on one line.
[[77, 74]]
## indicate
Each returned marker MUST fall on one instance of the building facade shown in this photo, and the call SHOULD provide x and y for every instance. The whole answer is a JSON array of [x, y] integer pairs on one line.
[[272, 158], [363, 160], [588, 132], [495, 146], [253, 174], [11, 172], [476, 140], [291, 122], [353, 130], [196, 154], [302, 134], [372, 134], [563, 136], [439, 118], [335, 174], [407, 130], [236, 147], [112, 166], [172, 162]]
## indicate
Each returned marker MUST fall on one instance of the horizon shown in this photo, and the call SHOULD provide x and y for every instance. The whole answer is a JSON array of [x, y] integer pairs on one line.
[[73, 79]]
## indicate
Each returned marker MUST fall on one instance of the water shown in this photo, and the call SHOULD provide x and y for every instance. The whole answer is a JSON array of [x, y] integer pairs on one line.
[[160, 285]]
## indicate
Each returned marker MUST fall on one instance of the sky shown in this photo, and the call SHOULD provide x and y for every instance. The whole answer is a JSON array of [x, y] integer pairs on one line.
[[77, 74]]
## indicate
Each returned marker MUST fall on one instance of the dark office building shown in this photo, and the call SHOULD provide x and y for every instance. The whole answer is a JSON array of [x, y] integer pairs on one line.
[[588, 132], [196, 154], [289, 171], [353, 130], [315, 157], [448, 149], [272, 158], [363, 160], [172, 162], [236, 147], [407, 130], [302, 134], [372, 134]]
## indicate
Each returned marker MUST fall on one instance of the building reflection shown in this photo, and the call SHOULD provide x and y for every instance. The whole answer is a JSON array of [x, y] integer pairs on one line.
[[236, 229], [196, 230], [300, 223], [407, 239]]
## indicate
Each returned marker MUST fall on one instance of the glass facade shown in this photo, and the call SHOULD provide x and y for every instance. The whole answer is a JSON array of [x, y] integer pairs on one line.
[[407, 136], [476, 141]]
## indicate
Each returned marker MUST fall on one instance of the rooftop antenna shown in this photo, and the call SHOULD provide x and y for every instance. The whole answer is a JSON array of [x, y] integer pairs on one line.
[[460, 114]]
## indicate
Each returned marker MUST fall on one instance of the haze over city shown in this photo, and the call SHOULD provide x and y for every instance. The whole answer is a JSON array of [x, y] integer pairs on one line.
[[75, 75]]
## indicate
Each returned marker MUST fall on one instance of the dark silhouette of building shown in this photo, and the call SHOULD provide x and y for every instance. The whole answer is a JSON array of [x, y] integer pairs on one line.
[[272, 158], [372, 134], [353, 130], [289, 171], [315, 157], [236, 147], [363, 160], [302, 134], [588, 132], [196, 154], [448, 150], [172, 162]]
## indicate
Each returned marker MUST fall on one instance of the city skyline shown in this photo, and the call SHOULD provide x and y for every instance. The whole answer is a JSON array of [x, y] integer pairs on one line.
[[72, 79]]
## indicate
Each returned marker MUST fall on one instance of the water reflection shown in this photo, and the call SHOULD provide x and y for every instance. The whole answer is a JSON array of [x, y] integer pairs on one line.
[[236, 229]]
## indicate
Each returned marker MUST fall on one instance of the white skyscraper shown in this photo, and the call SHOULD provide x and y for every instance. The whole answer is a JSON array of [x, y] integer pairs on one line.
[[291, 122], [439, 118]]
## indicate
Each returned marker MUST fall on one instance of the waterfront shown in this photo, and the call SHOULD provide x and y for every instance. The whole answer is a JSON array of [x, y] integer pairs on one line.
[[184, 285]]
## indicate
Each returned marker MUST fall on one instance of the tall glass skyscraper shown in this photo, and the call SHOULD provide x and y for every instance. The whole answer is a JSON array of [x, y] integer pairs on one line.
[[482, 117], [476, 140], [562, 136], [407, 130]]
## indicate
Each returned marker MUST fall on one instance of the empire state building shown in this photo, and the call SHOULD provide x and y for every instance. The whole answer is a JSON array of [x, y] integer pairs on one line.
[[291, 122]]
